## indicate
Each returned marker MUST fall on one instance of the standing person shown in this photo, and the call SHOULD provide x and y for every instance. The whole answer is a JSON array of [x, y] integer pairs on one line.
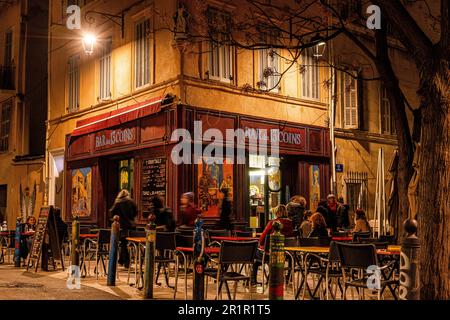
[[189, 212], [296, 209], [342, 214], [226, 210], [319, 226], [361, 224], [61, 226], [126, 209], [164, 215], [332, 207]]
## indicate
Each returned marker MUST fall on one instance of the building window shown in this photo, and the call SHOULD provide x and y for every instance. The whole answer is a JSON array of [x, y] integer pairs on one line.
[[105, 71], [310, 76], [142, 53], [5, 125], [8, 53], [387, 119], [349, 95], [3, 202], [220, 57], [269, 64], [357, 190], [74, 83]]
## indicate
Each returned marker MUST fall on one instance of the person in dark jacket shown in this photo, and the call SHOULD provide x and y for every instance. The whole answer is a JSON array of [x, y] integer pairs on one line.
[[226, 210], [126, 209], [189, 212], [163, 215], [319, 226], [296, 209], [332, 207], [342, 214]]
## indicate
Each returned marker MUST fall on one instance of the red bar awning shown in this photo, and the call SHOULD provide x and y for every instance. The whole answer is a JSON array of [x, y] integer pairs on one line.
[[118, 117]]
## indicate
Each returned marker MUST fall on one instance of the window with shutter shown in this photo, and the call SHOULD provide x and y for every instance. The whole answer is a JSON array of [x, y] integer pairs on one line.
[[105, 71], [310, 76], [349, 93], [5, 125], [269, 64], [387, 119], [74, 83], [142, 54]]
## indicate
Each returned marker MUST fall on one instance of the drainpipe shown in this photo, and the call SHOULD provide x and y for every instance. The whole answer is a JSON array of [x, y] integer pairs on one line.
[[47, 122]]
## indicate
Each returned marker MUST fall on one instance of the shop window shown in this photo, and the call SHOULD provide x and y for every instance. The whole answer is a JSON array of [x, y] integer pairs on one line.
[[5, 125], [105, 71], [349, 94], [387, 120], [310, 76], [81, 192], [126, 175], [74, 83], [220, 54], [142, 53], [8, 52], [214, 180], [357, 190]]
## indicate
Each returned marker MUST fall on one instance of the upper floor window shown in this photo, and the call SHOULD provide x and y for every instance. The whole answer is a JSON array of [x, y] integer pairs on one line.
[[310, 76], [105, 71], [142, 53], [8, 50], [74, 83], [5, 125], [349, 99], [269, 64], [220, 53], [387, 121]]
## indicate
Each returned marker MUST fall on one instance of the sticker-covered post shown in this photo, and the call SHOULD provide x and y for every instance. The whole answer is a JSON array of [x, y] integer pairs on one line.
[[74, 253], [276, 263], [150, 245], [113, 250], [17, 240], [199, 261], [409, 263]]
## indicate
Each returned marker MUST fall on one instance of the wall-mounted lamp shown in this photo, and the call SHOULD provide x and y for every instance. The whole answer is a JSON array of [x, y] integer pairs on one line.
[[89, 41], [318, 49]]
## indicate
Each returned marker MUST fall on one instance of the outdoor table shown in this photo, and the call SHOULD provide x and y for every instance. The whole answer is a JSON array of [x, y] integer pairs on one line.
[[343, 239], [233, 238], [88, 235], [211, 250], [138, 243]]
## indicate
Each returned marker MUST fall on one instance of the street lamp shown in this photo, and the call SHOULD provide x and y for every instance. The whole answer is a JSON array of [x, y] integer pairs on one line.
[[89, 41], [318, 49]]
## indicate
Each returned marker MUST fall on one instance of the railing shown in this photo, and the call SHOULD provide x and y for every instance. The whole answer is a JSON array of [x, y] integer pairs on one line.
[[7, 74]]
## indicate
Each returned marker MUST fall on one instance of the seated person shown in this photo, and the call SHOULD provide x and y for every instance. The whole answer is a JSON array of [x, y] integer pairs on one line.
[[163, 215], [287, 230], [361, 224], [306, 226], [319, 226]]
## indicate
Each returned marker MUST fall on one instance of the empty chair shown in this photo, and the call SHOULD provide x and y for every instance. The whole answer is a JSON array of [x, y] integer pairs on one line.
[[185, 230], [357, 236], [99, 248], [363, 257], [165, 251], [85, 229], [246, 234], [182, 241], [234, 253], [136, 233]]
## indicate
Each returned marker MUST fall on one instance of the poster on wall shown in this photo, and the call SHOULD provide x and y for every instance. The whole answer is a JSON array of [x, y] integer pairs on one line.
[[314, 193], [81, 192], [213, 180]]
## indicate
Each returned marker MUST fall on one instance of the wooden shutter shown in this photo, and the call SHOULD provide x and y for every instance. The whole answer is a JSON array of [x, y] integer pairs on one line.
[[350, 101]]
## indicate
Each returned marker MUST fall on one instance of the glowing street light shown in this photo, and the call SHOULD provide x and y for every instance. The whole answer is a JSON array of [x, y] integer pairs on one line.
[[318, 49], [89, 41]]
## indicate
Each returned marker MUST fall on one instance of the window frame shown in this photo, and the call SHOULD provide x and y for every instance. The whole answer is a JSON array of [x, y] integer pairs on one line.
[[74, 80], [386, 118], [266, 60], [5, 135], [8, 47], [144, 80], [105, 71], [343, 91], [310, 63]]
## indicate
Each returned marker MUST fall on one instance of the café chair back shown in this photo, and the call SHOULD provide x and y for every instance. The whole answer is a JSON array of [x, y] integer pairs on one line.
[[98, 248], [165, 251], [234, 254], [182, 241], [359, 257]]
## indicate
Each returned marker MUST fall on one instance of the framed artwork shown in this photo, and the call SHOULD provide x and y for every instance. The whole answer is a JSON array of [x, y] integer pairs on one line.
[[82, 192], [213, 180], [314, 187]]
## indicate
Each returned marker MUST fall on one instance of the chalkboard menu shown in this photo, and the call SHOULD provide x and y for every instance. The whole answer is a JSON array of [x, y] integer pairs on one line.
[[46, 226], [153, 181]]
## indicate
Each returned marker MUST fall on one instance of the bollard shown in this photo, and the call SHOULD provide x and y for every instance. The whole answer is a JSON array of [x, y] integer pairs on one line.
[[75, 254], [199, 261], [409, 263], [276, 263], [150, 244], [17, 240], [113, 249]]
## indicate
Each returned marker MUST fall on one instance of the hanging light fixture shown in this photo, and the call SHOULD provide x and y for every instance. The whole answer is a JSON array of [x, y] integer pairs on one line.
[[318, 49], [89, 41]]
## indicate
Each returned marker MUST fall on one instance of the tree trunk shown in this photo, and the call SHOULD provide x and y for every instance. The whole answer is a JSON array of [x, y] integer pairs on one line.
[[434, 183]]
